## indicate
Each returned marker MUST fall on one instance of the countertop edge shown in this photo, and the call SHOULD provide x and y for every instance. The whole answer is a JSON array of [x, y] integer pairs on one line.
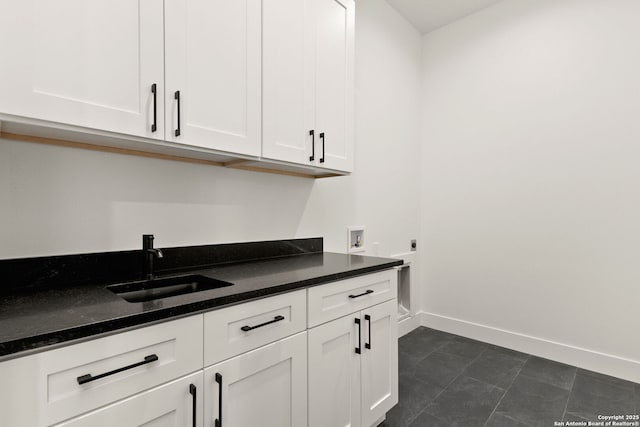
[[61, 338]]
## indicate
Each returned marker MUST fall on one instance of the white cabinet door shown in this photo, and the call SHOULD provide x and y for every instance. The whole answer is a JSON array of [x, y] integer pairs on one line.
[[379, 361], [334, 64], [334, 374], [308, 82], [85, 63], [266, 387], [176, 404], [213, 75], [288, 80]]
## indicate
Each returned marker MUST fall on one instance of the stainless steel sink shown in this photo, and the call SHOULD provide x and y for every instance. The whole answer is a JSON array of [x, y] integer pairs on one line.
[[149, 290]]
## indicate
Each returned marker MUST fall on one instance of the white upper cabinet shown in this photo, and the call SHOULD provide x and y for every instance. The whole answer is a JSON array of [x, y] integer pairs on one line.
[[288, 84], [308, 82], [334, 61], [85, 63], [213, 74], [271, 79]]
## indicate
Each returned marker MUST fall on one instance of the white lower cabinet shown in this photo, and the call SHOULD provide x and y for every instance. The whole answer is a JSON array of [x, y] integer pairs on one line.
[[353, 368], [379, 368], [334, 374], [176, 404], [272, 371], [266, 387], [50, 387]]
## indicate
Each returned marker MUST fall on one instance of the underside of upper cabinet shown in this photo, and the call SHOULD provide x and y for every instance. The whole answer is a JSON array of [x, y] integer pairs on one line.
[[153, 149]]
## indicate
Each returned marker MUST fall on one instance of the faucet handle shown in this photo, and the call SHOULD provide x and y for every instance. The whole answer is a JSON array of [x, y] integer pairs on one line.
[[147, 241]]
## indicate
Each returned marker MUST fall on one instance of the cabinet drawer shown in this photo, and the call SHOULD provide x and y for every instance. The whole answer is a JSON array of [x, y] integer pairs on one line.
[[333, 300], [171, 404], [234, 330], [82, 377]]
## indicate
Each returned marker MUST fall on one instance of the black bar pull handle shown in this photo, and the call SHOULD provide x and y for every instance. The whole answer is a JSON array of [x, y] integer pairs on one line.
[[359, 347], [367, 292], [368, 319], [193, 391], [322, 138], [313, 145], [250, 328], [218, 422], [83, 379], [154, 91], [177, 98]]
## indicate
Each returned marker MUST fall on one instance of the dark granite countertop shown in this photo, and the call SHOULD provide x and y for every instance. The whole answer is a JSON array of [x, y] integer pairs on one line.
[[37, 319]]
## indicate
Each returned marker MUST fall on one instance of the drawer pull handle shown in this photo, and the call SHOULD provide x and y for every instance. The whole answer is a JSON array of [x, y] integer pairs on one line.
[[88, 377], [322, 138], [367, 292], [359, 347], [250, 328], [193, 391], [368, 319], [218, 421]]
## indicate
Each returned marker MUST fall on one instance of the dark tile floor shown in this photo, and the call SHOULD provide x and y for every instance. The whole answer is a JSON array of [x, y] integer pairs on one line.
[[451, 381]]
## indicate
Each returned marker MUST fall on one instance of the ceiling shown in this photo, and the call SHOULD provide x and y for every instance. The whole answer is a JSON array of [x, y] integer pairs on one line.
[[428, 15]]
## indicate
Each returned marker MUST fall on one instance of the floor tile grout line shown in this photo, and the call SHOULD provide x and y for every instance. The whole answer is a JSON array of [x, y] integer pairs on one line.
[[606, 381], [422, 358], [462, 357], [510, 418], [485, 383], [420, 413], [566, 405], [506, 391], [443, 352], [424, 382], [536, 378], [431, 352], [447, 386]]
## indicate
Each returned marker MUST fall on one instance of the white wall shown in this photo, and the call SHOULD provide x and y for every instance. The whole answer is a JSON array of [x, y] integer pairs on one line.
[[56, 200], [382, 194], [530, 201]]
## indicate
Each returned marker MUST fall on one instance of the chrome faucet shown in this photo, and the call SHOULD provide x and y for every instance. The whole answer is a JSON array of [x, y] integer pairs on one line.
[[150, 253]]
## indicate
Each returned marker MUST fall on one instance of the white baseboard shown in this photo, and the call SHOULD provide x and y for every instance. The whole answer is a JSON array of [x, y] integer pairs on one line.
[[408, 324], [583, 358]]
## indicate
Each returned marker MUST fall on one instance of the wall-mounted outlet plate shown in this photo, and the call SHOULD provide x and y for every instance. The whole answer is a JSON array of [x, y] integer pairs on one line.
[[355, 239]]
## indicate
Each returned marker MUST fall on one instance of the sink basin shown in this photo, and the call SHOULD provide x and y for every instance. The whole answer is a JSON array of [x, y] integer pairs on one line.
[[149, 290]]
